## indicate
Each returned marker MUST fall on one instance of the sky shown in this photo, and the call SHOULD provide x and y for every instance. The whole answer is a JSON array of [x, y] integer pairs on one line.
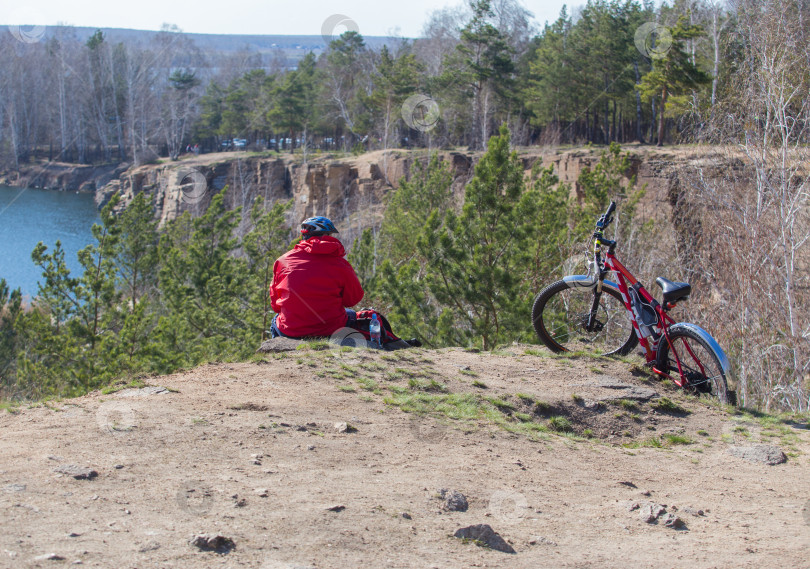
[[283, 17]]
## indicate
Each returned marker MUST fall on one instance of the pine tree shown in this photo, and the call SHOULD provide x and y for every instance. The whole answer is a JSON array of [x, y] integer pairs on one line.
[[10, 308], [267, 241], [203, 286], [674, 76]]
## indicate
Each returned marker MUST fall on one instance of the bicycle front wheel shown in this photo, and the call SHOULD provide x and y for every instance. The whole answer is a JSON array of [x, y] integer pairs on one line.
[[560, 317], [700, 363]]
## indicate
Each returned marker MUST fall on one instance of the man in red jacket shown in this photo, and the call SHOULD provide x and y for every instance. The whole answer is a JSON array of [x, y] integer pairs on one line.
[[313, 285]]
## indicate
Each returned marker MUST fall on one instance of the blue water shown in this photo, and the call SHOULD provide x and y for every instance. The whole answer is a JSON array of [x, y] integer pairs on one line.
[[29, 216]]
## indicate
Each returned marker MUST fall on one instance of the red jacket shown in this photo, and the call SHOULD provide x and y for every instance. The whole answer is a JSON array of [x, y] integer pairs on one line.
[[312, 284]]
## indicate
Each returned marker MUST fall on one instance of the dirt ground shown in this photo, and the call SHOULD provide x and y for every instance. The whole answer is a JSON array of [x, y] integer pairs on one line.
[[250, 451]]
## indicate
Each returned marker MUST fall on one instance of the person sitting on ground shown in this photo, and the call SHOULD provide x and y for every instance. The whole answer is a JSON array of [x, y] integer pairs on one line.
[[313, 284]]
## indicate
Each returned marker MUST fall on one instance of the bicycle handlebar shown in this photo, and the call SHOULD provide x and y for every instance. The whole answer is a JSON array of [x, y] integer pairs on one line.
[[606, 218]]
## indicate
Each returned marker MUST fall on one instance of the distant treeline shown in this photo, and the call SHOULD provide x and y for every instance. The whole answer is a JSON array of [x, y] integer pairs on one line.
[[610, 71]]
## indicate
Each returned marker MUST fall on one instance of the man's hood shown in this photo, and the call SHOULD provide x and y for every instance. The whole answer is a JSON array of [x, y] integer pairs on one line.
[[322, 245]]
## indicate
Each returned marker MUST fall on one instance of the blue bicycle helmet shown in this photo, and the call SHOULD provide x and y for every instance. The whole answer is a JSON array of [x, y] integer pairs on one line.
[[315, 226]]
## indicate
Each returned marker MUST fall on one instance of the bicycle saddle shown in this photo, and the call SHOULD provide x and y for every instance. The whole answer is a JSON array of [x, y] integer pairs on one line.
[[673, 291]]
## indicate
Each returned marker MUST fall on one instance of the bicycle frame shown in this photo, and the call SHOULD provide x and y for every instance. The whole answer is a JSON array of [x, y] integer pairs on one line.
[[625, 280]]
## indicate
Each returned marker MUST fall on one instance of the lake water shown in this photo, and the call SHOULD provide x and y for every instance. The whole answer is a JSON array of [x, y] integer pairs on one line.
[[30, 216]]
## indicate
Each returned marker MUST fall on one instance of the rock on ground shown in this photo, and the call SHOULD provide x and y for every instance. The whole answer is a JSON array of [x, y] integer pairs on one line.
[[77, 472], [454, 501], [212, 542], [278, 345], [766, 454], [483, 534]]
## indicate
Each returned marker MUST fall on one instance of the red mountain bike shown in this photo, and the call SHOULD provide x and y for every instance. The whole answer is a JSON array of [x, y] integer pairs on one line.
[[588, 312]]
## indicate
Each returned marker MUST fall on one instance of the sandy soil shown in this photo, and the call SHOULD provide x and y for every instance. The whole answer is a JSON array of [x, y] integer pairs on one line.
[[250, 451]]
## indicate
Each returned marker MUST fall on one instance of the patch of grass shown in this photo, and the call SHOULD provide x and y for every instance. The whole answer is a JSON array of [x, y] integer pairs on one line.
[[739, 429], [703, 433], [479, 384], [627, 404], [560, 424], [9, 407], [134, 384], [652, 442], [412, 372], [525, 397], [588, 433], [542, 408], [666, 405], [367, 383], [636, 417], [667, 383], [315, 345], [393, 375], [366, 398], [469, 372], [501, 405], [347, 388], [372, 366], [578, 399], [432, 385], [672, 440], [198, 421], [523, 417], [533, 352]]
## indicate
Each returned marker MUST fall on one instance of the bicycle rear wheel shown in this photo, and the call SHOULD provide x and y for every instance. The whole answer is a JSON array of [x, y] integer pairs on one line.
[[699, 362], [560, 315]]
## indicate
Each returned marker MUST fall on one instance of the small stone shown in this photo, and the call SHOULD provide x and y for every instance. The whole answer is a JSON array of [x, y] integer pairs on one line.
[[77, 472], [483, 534], [693, 512], [454, 501], [673, 521], [212, 542], [311, 447], [540, 540], [49, 557], [406, 515], [646, 493], [338, 508], [344, 428], [649, 512], [118, 466], [74, 534], [261, 492]]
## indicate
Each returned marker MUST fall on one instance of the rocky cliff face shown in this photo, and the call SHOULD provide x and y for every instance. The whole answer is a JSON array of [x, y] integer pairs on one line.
[[63, 177], [352, 191]]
